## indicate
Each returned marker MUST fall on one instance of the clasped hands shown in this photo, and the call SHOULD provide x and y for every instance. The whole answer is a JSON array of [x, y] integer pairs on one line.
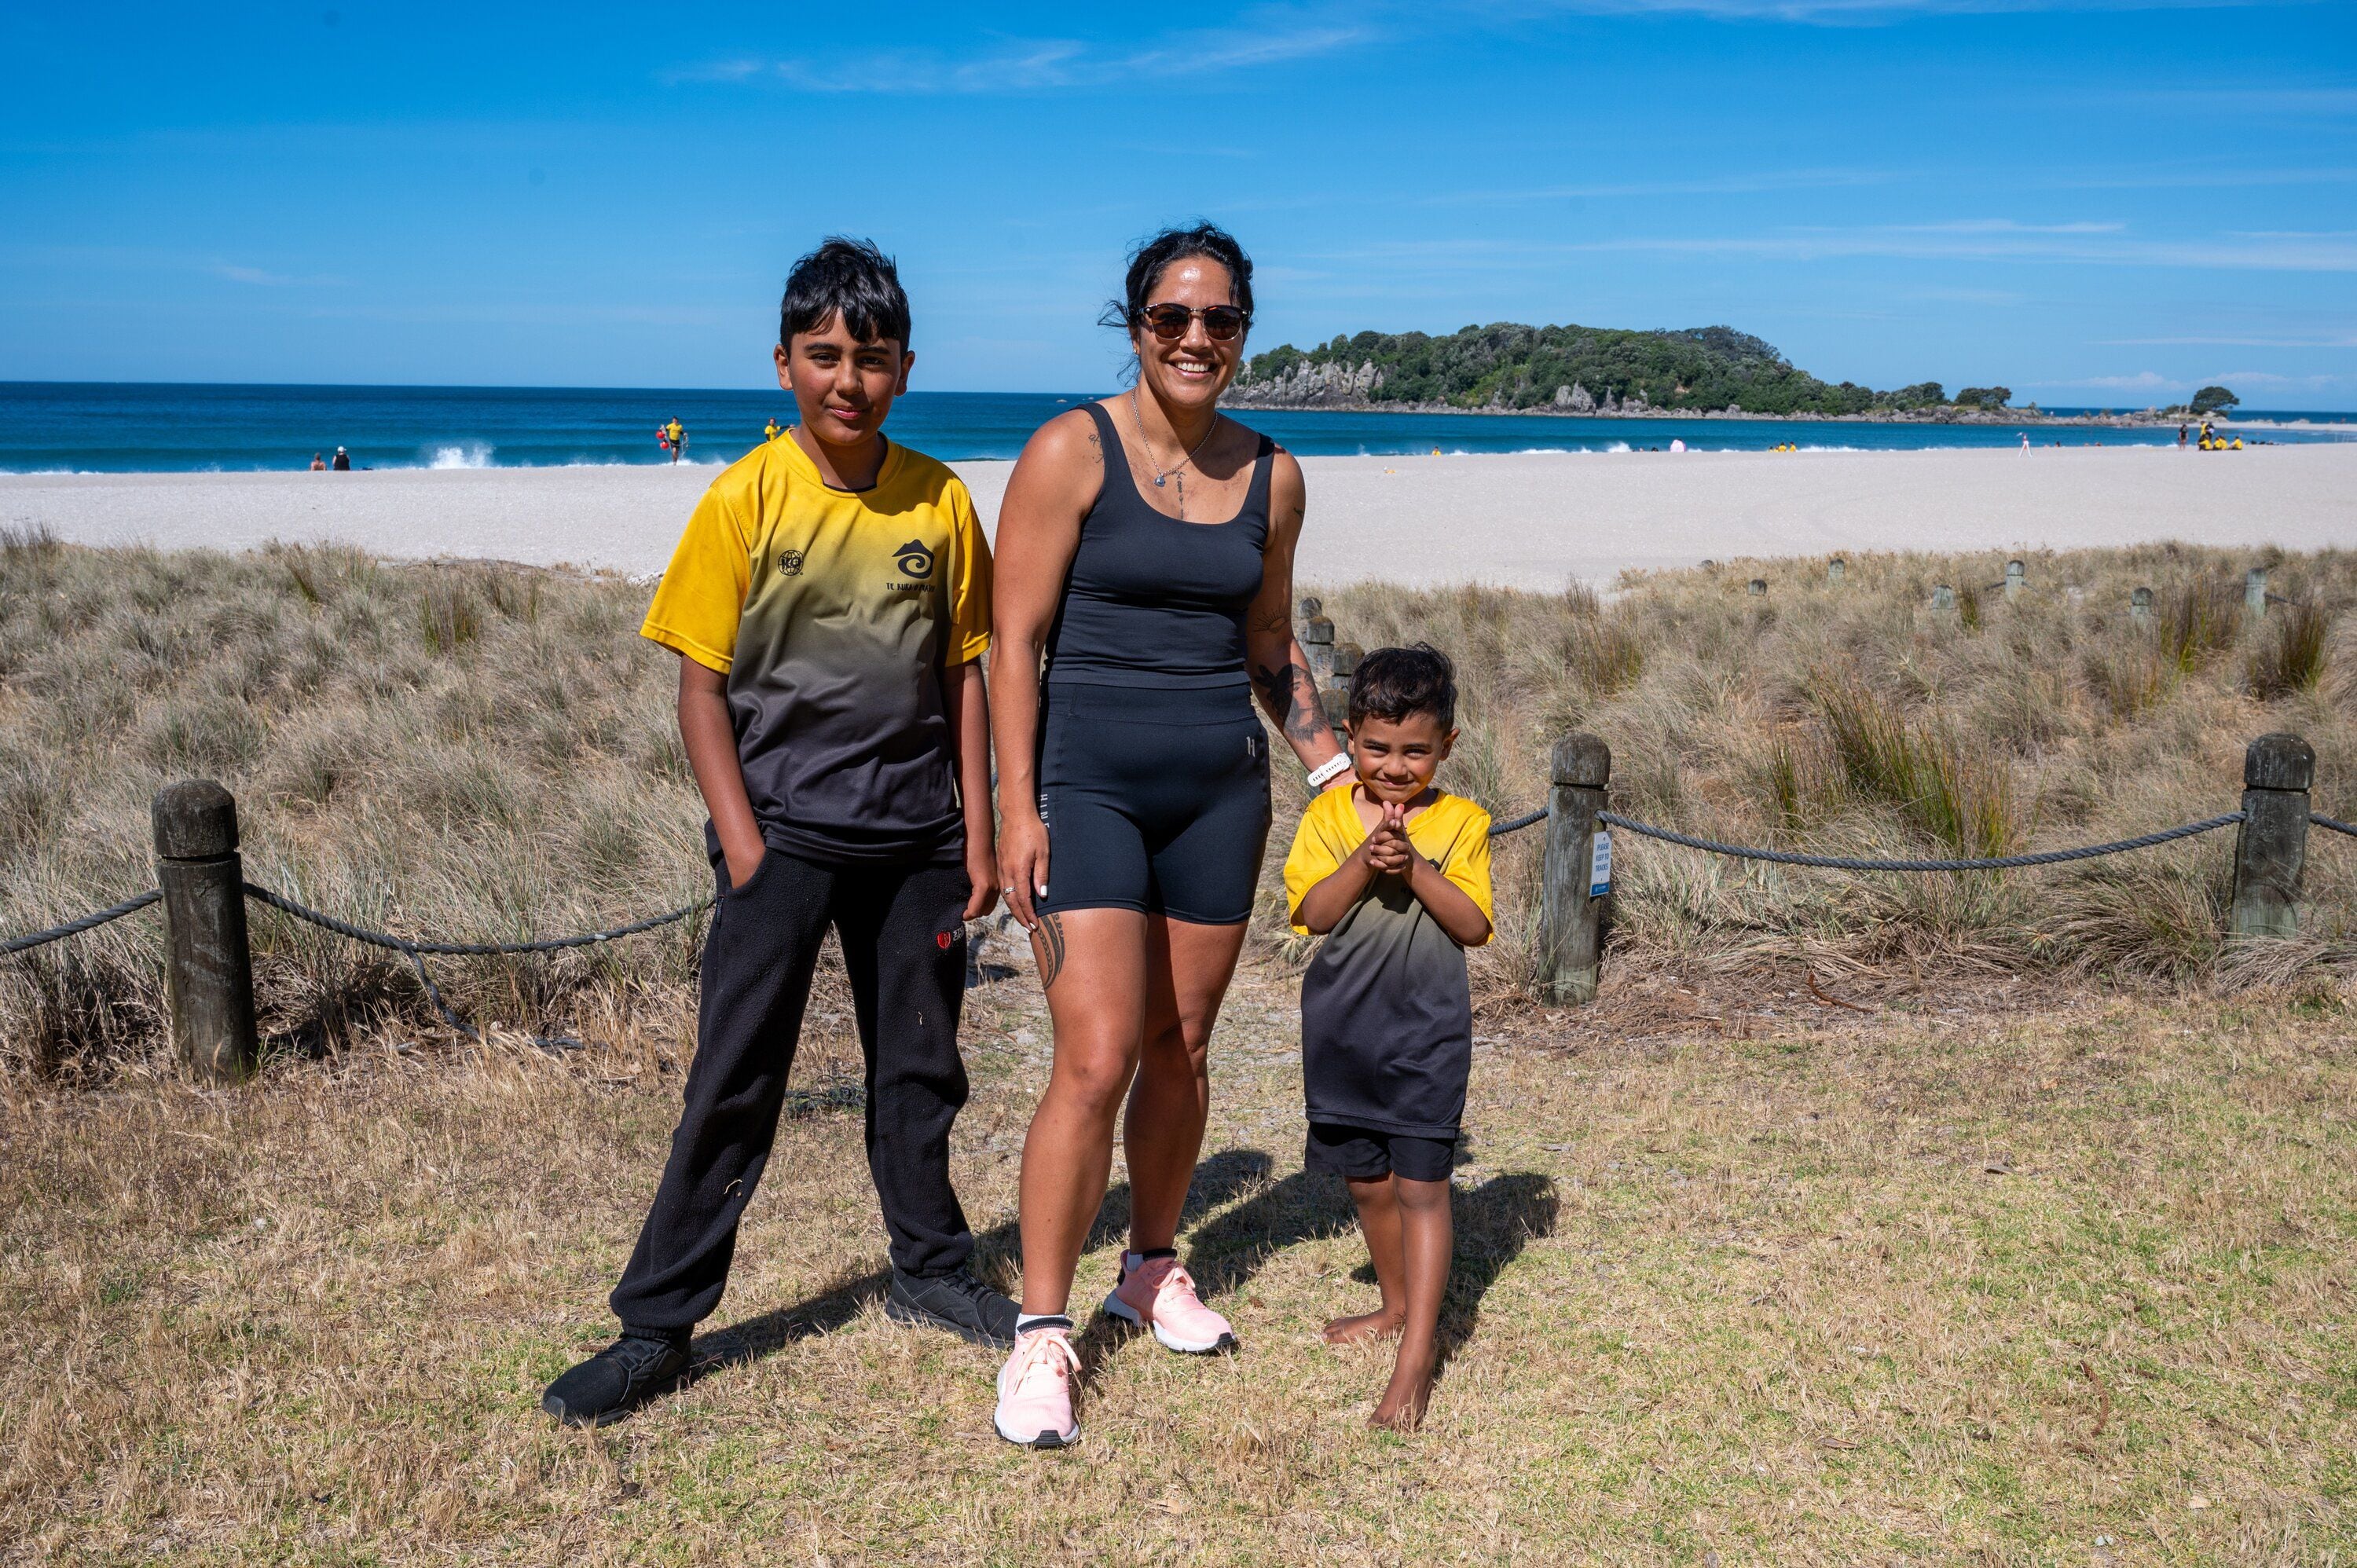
[[1387, 849]]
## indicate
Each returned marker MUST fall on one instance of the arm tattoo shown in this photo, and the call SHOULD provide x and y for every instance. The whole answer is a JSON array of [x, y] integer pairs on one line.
[[1048, 947], [1290, 695]]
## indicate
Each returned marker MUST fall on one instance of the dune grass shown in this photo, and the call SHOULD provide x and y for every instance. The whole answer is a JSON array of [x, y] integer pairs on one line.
[[480, 751], [1856, 718]]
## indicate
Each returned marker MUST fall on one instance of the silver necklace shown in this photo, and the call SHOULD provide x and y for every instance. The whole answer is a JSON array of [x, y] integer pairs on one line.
[[1160, 473]]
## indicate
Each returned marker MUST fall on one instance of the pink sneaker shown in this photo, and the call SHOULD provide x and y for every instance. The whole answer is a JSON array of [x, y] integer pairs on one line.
[[1156, 1292], [1035, 1390]]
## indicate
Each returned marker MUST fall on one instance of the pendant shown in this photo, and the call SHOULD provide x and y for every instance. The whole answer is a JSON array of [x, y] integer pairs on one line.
[[1159, 482]]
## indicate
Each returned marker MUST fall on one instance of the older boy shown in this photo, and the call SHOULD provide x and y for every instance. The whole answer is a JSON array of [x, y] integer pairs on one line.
[[828, 603]]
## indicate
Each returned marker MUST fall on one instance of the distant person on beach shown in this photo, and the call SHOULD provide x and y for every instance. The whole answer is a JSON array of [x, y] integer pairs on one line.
[[2180, 434], [828, 603], [1395, 876], [676, 434], [343, 460], [1677, 444], [770, 431], [318, 463], [1145, 560]]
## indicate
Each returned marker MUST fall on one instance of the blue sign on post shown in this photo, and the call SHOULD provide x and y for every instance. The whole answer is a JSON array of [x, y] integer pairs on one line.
[[1600, 863]]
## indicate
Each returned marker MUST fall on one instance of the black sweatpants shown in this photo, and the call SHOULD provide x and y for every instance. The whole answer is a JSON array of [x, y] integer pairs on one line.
[[903, 938]]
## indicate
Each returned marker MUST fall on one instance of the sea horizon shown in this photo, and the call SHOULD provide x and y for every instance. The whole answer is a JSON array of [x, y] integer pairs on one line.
[[100, 427]]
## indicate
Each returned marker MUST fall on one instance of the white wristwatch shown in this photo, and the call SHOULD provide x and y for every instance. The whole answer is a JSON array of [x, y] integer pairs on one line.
[[1334, 768]]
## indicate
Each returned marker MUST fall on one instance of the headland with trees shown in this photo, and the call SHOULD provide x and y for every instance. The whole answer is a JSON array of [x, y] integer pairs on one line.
[[1509, 367]]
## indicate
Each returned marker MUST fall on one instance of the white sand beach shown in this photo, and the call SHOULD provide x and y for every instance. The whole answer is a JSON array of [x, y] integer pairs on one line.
[[1527, 521]]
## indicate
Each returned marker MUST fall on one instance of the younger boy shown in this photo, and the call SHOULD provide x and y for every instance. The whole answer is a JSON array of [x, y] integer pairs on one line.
[[1397, 876], [828, 602]]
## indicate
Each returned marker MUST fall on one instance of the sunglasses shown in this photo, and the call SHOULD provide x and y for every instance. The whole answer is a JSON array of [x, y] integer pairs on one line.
[[1221, 323]]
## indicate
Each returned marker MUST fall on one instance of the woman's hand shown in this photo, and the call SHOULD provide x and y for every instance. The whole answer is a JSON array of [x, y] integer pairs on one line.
[[1023, 862]]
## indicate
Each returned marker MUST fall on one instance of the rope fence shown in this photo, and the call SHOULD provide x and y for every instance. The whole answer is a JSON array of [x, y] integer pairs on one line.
[[1993, 863], [96, 918], [205, 893]]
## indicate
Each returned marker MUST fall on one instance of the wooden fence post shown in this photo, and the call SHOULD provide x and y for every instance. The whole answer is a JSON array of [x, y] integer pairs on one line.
[[1317, 642], [1756, 587], [2140, 607], [1944, 596], [1571, 913], [1336, 696], [2254, 593], [2271, 848], [2013, 580], [207, 964], [1834, 570]]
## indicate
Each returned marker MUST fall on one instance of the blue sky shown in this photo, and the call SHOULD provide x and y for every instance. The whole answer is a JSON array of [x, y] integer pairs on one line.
[[2102, 203]]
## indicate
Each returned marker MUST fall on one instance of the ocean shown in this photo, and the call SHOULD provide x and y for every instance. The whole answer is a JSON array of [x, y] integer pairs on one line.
[[131, 427]]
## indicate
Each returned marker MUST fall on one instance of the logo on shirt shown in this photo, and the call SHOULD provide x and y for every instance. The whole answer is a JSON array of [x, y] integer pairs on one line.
[[790, 562], [915, 560]]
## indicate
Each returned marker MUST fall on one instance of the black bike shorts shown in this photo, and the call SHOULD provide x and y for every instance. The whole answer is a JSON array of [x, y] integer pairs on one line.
[[1155, 799]]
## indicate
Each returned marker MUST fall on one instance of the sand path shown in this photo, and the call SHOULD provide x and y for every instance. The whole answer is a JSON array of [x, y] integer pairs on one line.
[[1527, 521]]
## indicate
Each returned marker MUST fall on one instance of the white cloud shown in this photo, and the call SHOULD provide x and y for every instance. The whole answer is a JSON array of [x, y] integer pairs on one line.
[[2316, 340], [2143, 381], [2097, 244], [1727, 185], [1035, 65], [2153, 382], [256, 277], [1870, 11]]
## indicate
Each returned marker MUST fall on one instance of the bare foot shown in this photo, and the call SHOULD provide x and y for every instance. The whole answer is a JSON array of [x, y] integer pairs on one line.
[[1362, 1327], [1405, 1398]]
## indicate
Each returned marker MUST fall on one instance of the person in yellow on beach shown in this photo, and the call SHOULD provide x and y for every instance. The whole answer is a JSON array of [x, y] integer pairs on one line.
[[676, 434], [1395, 876], [770, 431]]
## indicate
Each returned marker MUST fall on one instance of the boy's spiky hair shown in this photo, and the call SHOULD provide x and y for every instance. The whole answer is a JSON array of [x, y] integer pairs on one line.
[[850, 278], [1392, 682]]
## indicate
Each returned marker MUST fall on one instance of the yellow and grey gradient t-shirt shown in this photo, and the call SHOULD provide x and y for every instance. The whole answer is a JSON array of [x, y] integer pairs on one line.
[[833, 614], [1387, 1015]]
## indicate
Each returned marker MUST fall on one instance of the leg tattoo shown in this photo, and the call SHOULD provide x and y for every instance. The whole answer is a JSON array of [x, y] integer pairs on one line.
[[1048, 947]]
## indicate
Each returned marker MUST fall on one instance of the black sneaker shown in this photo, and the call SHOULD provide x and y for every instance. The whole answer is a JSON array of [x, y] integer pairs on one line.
[[958, 1302], [616, 1380]]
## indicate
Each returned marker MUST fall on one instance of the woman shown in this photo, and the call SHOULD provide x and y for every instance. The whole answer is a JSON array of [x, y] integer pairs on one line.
[[1145, 560]]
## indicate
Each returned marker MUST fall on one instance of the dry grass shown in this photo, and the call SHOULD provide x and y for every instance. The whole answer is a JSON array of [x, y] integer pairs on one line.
[[478, 752], [1740, 1278], [1743, 1274], [1855, 718], [487, 751]]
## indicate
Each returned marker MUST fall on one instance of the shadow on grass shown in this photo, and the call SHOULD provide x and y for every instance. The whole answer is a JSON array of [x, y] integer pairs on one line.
[[997, 1251], [1492, 1223]]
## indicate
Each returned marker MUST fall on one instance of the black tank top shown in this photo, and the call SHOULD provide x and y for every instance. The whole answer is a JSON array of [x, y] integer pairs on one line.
[[1150, 600]]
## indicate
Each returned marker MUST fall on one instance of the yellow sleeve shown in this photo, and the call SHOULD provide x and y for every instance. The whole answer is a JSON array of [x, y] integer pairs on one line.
[[970, 593], [702, 596], [1317, 855], [1468, 864]]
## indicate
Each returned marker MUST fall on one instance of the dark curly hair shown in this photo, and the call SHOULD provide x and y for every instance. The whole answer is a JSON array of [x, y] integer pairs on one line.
[[1392, 682], [850, 278], [1151, 259]]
